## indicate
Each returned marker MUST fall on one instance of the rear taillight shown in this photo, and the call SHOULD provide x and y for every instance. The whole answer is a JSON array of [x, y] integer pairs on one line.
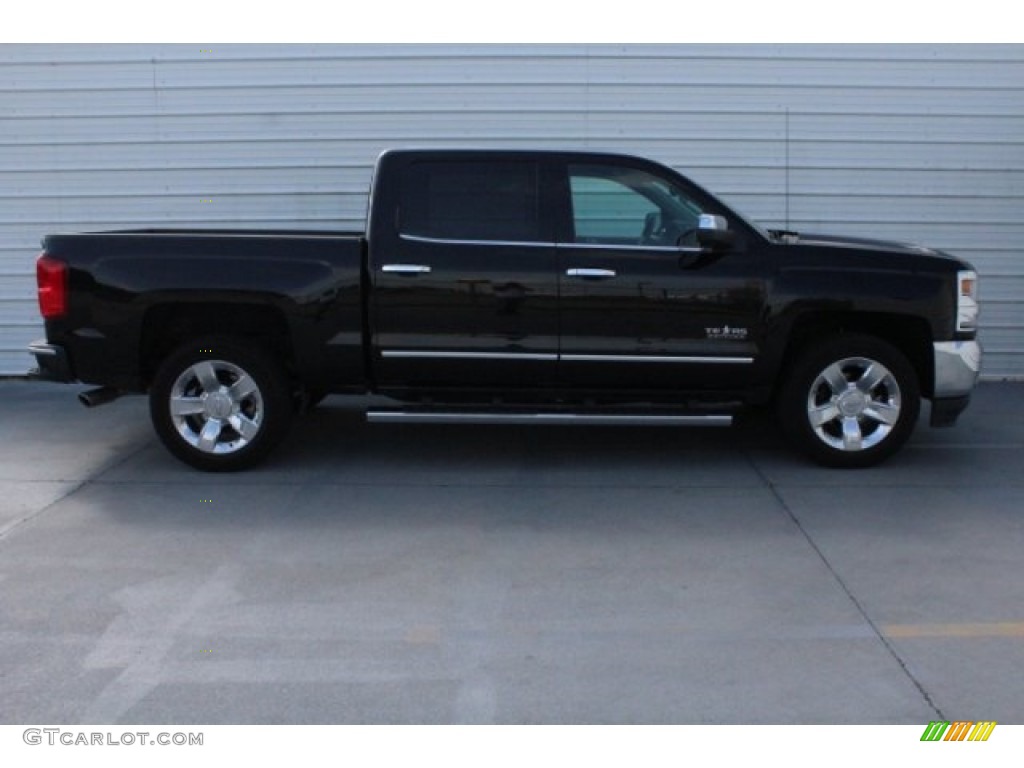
[[52, 279]]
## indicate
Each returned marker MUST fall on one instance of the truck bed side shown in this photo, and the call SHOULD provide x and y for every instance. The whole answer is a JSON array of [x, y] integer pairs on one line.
[[134, 296]]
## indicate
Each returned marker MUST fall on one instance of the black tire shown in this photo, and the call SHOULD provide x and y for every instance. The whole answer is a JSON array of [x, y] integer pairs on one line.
[[220, 404], [851, 401]]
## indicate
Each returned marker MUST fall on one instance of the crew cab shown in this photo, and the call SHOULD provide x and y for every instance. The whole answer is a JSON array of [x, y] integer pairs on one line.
[[515, 286]]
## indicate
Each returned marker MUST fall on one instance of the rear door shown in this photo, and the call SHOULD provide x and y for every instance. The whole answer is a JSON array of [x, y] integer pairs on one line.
[[464, 287]]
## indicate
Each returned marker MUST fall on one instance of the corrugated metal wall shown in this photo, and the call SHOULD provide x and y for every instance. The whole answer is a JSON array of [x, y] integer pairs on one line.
[[922, 143]]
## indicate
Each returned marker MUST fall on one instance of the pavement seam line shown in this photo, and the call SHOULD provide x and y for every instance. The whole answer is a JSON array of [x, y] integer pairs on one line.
[[847, 591], [89, 480]]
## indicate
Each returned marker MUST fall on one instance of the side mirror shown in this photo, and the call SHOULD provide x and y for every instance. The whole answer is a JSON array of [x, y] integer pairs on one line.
[[713, 232]]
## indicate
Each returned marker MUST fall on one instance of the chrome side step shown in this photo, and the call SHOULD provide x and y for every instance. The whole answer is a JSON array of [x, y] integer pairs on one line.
[[588, 419]]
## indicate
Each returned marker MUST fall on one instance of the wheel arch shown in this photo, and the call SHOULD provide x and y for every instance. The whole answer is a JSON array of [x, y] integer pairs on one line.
[[911, 335], [165, 327]]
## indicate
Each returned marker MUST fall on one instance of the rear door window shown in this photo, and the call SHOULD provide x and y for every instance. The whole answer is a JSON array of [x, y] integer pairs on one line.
[[491, 200]]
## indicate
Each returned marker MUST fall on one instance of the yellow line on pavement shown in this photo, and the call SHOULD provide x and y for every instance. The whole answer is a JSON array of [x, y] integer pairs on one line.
[[976, 629]]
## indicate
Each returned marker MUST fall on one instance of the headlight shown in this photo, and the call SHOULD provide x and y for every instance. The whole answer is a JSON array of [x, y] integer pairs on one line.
[[967, 300]]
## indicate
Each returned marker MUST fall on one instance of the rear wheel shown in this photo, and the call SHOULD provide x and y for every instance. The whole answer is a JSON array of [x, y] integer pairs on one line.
[[850, 402], [220, 404]]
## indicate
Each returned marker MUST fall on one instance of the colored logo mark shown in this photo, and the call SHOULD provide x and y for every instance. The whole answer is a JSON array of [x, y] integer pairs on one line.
[[960, 730]]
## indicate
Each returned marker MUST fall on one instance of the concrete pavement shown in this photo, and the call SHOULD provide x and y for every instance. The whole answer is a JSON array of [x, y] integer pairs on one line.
[[395, 574]]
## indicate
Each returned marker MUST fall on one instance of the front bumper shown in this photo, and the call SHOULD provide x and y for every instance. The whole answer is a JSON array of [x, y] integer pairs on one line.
[[957, 366], [52, 362]]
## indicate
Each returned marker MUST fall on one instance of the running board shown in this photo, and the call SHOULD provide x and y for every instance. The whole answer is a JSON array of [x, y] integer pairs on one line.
[[588, 419]]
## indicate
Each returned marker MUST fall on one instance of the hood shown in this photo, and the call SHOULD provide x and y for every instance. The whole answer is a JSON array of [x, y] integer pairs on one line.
[[860, 244]]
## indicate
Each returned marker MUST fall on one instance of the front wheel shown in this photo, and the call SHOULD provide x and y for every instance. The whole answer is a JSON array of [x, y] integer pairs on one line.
[[850, 402], [220, 404]]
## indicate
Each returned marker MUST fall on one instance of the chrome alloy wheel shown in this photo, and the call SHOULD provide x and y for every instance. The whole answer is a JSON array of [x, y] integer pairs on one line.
[[854, 404], [216, 406]]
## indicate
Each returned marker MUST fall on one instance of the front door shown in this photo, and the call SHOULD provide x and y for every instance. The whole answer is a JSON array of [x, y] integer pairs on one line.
[[642, 306]]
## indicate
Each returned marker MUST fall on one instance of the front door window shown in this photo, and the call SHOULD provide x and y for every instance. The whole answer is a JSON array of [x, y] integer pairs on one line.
[[629, 207]]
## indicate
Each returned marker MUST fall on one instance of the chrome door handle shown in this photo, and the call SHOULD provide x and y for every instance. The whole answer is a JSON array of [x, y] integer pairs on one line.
[[406, 269], [599, 273]]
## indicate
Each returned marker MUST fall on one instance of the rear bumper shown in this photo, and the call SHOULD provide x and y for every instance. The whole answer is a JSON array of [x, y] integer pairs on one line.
[[957, 365], [52, 362]]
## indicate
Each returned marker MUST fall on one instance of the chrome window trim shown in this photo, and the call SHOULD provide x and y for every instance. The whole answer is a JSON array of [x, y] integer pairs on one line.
[[184, 233], [546, 244], [456, 241], [617, 247]]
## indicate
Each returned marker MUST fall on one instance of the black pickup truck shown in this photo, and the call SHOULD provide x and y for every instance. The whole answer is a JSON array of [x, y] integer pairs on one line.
[[515, 286]]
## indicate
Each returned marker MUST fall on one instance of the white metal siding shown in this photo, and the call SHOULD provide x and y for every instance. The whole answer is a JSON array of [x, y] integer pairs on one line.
[[919, 143]]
